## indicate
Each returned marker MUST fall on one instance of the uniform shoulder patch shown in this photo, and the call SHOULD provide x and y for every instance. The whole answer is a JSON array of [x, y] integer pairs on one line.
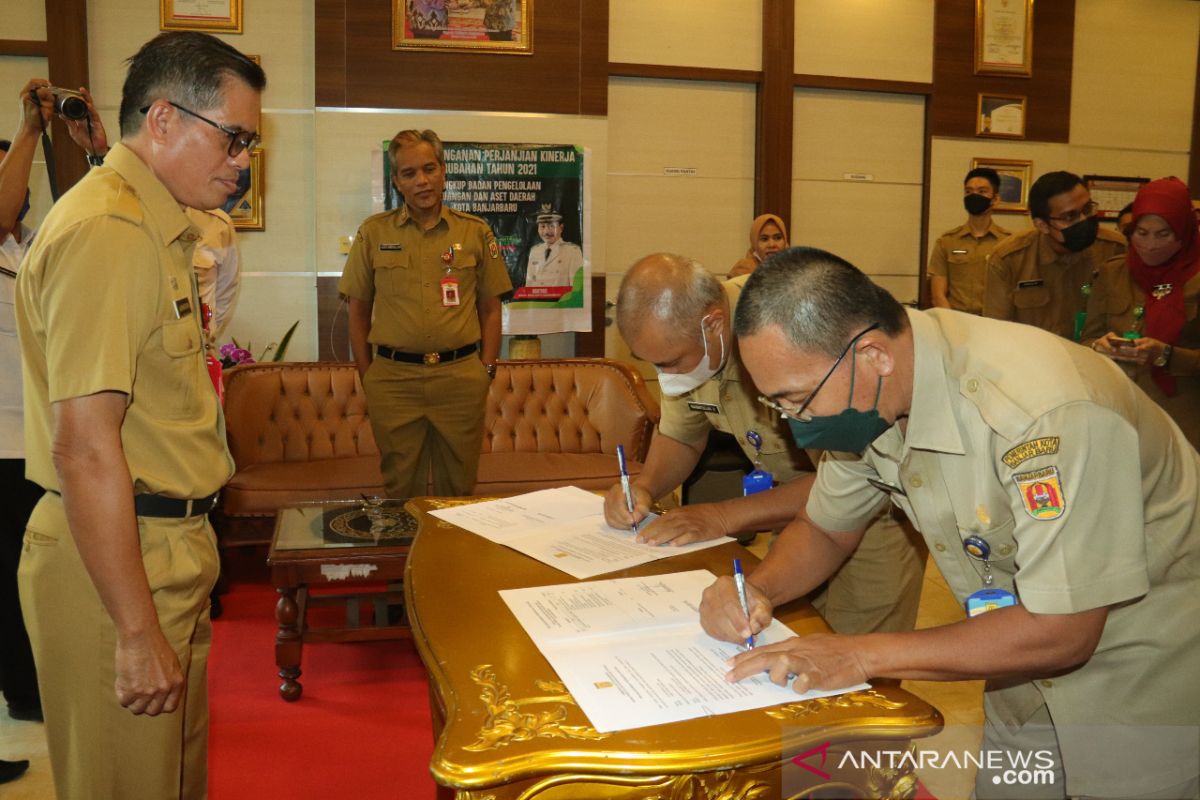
[[1041, 493], [1047, 445]]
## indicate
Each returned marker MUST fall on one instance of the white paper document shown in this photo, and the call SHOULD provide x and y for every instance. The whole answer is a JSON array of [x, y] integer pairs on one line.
[[564, 528], [632, 653]]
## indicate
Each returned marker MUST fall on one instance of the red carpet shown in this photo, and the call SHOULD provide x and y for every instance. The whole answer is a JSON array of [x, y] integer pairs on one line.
[[361, 730]]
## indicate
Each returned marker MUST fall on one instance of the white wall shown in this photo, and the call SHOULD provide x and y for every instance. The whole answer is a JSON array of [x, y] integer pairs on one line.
[[686, 33], [890, 40], [856, 188]]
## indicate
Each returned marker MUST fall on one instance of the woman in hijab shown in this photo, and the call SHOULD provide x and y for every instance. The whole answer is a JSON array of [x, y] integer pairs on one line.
[[1142, 311], [768, 235]]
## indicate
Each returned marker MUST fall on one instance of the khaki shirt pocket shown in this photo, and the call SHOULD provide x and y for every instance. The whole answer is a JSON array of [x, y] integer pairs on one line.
[[465, 268], [1031, 297], [393, 273], [174, 369]]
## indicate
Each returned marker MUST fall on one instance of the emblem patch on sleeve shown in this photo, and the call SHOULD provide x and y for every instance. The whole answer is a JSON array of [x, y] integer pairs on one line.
[[493, 248], [1041, 493], [1046, 446]]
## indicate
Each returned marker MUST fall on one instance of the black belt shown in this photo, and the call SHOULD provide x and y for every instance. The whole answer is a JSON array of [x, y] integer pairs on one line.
[[426, 358], [156, 505]]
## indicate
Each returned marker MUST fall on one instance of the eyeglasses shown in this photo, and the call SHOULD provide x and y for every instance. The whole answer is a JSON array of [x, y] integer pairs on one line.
[[238, 140], [1072, 217], [799, 413]]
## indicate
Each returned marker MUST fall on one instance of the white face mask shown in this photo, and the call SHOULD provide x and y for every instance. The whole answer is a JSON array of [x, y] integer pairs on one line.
[[674, 384]]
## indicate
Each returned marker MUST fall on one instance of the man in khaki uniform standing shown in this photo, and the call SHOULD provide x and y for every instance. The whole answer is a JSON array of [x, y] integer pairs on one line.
[[1043, 276], [1064, 513], [123, 430], [424, 283], [664, 302], [958, 262]]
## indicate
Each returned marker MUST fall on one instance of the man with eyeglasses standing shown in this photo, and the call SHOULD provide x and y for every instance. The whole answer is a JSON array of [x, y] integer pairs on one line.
[[124, 431], [1079, 573], [677, 315], [1042, 277]]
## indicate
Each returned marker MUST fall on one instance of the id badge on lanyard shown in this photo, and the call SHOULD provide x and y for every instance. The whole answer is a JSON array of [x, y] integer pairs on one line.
[[449, 283]]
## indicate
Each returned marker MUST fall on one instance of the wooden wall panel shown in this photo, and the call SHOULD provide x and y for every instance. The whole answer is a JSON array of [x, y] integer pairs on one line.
[[330, 44], [955, 86], [773, 153], [67, 56], [564, 75]]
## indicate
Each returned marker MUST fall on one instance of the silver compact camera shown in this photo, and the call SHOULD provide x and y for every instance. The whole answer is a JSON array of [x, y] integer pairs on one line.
[[68, 104]]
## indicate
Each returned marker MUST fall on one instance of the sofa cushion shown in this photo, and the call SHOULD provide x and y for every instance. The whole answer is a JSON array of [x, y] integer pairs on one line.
[[514, 473], [261, 489]]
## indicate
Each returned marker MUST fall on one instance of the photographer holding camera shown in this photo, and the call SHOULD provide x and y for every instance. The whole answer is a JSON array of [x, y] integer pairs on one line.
[[38, 103]]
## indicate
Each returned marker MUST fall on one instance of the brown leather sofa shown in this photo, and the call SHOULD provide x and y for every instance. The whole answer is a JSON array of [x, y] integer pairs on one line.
[[299, 432]]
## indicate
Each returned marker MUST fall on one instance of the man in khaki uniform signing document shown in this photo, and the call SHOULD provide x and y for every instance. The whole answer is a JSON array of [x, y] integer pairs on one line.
[[674, 313], [424, 283], [1059, 502], [123, 430]]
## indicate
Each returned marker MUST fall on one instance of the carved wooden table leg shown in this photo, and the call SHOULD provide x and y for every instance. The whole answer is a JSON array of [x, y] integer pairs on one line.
[[288, 643]]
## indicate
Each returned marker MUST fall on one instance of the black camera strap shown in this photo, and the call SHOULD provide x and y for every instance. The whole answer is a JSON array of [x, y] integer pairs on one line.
[[47, 149]]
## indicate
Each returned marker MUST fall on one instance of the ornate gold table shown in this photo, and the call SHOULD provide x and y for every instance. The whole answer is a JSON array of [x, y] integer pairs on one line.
[[507, 729]]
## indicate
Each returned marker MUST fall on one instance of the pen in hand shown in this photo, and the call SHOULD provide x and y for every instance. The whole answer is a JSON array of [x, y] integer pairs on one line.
[[625, 483], [740, 579]]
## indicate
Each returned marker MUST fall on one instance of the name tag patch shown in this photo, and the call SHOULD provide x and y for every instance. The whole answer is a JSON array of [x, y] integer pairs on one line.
[[958, 252], [391, 247], [1030, 284], [1041, 493], [1046, 446], [183, 307], [707, 408]]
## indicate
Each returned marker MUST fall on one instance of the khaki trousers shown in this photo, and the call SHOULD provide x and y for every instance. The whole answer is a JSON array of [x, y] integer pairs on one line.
[[99, 750], [427, 418], [878, 590]]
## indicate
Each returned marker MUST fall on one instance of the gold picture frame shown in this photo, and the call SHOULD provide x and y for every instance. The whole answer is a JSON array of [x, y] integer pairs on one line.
[[1016, 175], [211, 16], [247, 208], [1004, 37], [1000, 116], [480, 26]]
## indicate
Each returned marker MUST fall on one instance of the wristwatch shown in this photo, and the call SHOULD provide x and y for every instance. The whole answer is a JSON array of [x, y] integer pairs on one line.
[[1164, 357], [95, 159], [491, 370]]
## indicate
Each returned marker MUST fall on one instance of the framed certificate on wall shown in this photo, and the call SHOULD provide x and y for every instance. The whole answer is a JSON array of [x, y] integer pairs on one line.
[[212, 16], [1000, 115], [1004, 37]]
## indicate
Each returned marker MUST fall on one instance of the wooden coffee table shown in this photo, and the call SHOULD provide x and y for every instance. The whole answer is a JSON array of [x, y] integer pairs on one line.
[[343, 544]]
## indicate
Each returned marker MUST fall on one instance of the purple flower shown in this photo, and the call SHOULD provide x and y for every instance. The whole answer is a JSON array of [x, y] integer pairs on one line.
[[241, 356], [226, 350]]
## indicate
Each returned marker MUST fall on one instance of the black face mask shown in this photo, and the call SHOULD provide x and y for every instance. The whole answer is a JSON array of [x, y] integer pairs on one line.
[[976, 204], [1081, 235]]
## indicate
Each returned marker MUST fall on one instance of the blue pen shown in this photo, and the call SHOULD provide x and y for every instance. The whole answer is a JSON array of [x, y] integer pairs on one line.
[[625, 482], [740, 579]]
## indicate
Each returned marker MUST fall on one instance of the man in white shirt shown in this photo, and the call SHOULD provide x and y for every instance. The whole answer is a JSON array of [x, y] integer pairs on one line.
[[217, 263], [553, 262]]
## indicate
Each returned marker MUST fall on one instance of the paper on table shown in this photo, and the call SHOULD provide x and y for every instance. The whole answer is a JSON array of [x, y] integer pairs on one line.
[[632, 652], [564, 528]]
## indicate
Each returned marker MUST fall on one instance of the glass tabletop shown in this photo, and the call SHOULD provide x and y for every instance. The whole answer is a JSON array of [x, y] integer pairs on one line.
[[340, 524]]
